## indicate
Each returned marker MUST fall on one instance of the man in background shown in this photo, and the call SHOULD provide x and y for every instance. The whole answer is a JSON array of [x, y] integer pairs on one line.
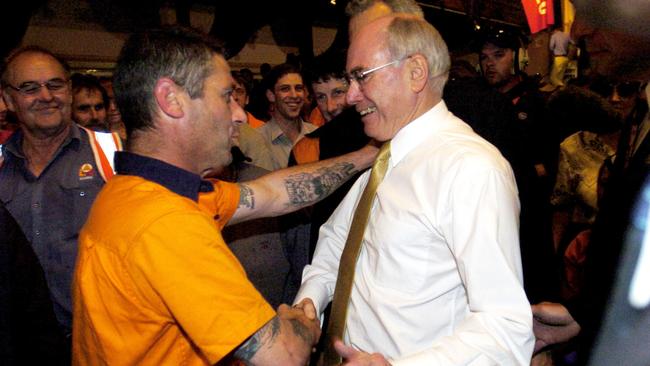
[[89, 100], [618, 46], [559, 47]]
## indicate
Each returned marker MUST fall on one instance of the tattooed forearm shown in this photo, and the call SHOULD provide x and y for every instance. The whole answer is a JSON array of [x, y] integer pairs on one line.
[[263, 337], [306, 188], [246, 197]]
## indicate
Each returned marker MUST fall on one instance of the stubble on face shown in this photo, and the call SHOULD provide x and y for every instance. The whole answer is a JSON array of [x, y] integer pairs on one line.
[[496, 64]]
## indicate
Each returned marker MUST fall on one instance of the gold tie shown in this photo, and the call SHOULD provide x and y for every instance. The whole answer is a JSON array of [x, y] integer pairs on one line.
[[350, 254]]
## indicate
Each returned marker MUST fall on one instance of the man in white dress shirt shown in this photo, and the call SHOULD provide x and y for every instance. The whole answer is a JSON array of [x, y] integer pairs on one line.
[[438, 280]]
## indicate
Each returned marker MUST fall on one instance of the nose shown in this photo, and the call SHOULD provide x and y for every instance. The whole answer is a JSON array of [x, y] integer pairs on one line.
[[44, 93], [332, 105], [238, 115], [615, 97], [354, 95]]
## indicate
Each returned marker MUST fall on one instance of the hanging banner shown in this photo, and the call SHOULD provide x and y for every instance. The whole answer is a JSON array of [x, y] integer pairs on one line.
[[539, 14]]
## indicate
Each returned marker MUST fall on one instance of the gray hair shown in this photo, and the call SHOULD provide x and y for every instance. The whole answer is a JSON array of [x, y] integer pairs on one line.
[[355, 7], [407, 35], [181, 54]]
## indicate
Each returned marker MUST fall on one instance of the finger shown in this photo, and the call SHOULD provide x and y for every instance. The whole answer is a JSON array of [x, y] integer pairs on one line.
[[343, 350], [309, 308]]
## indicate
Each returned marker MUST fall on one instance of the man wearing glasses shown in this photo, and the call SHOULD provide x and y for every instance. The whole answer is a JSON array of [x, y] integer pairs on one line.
[[438, 277], [49, 177]]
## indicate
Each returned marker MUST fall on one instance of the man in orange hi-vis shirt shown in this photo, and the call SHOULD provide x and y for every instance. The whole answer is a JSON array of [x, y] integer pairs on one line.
[[155, 283]]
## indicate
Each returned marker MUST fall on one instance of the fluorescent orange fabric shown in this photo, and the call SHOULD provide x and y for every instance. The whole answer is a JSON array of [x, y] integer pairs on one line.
[[155, 284], [306, 150], [316, 117], [254, 122]]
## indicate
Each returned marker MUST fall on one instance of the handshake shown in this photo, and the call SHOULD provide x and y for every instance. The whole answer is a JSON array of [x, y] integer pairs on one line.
[[305, 324]]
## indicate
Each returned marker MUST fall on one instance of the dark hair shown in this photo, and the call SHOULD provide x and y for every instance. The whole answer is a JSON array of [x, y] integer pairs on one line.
[[242, 80], [181, 54], [326, 67], [30, 49], [278, 72], [88, 82], [498, 37]]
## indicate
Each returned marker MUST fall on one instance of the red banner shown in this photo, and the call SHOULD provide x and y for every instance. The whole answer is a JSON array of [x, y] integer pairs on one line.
[[539, 14]]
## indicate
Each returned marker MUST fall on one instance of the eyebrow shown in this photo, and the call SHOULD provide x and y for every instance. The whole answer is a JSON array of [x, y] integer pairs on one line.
[[358, 69]]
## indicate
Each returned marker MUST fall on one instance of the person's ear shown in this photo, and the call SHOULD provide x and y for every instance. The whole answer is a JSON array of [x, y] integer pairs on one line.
[[270, 96], [7, 100], [418, 72], [167, 95]]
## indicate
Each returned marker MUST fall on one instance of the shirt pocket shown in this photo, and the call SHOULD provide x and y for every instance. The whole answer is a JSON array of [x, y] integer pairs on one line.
[[80, 192]]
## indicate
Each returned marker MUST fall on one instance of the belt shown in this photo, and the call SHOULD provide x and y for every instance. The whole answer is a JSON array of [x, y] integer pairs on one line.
[[560, 55]]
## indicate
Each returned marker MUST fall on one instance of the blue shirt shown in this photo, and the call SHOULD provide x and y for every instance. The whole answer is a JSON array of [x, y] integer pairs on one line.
[[52, 208]]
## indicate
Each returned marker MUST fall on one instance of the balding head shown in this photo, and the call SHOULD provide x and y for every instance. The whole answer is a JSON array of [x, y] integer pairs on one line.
[[363, 12], [398, 66]]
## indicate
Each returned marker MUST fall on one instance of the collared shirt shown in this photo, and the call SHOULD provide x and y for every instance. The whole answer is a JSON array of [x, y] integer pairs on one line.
[[559, 43], [280, 144], [438, 280], [255, 147], [155, 283], [52, 207]]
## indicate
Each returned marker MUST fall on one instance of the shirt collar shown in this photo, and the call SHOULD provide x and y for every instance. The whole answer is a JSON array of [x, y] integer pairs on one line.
[[417, 131], [15, 143], [276, 132], [175, 179]]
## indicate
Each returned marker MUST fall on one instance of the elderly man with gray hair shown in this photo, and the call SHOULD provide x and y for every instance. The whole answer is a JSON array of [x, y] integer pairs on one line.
[[421, 259]]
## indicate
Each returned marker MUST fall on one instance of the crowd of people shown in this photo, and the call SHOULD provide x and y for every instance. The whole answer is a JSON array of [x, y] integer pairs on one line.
[[386, 206]]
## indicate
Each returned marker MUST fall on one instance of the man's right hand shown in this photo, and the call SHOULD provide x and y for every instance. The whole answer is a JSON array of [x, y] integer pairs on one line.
[[552, 324], [304, 320], [287, 339]]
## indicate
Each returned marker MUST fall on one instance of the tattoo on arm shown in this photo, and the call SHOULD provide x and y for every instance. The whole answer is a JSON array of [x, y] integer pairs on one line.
[[306, 188], [264, 337], [301, 331], [246, 197]]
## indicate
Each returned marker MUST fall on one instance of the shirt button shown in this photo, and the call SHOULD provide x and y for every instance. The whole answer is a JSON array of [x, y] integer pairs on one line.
[[38, 233], [82, 193]]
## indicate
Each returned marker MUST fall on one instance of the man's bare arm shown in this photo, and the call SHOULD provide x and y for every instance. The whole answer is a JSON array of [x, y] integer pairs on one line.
[[287, 339], [290, 189]]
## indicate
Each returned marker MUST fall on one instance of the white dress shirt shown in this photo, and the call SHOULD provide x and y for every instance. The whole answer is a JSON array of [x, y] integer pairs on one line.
[[438, 280], [280, 144]]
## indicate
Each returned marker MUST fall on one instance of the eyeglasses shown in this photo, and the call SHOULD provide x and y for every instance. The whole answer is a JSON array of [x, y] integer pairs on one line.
[[624, 90], [33, 87], [361, 76]]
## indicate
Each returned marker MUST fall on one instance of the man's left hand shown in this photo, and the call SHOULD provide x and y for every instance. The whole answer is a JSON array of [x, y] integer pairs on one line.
[[354, 357]]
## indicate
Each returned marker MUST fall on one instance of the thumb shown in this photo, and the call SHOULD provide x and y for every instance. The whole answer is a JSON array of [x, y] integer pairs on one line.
[[343, 350]]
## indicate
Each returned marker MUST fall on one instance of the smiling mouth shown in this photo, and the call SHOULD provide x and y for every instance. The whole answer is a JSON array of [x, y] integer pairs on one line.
[[367, 111]]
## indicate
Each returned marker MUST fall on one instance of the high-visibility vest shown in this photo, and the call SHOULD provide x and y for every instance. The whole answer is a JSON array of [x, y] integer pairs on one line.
[[104, 146]]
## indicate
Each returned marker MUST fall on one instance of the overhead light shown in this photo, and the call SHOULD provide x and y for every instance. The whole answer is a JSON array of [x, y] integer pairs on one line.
[[333, 2]]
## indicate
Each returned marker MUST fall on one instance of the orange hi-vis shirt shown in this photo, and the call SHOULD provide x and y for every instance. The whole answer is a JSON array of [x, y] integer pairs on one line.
[[155, 283], [254, 121]]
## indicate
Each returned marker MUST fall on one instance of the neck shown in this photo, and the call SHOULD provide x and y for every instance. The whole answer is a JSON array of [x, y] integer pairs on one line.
[[152, 143], [509, 84], [39, 149], [290, 127]]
